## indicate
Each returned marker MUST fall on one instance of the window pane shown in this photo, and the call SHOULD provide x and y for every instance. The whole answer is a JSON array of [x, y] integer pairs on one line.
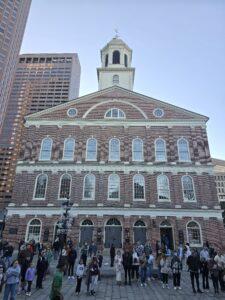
[[65, 187], [114, 149], [139, 187], [46, 149], [160, 150], [183, 150], [194, 234], [163, 188], [91, 149], [69, 149], [41, 186], [137, 150], [188, 188], [114, 182], [89, 187]]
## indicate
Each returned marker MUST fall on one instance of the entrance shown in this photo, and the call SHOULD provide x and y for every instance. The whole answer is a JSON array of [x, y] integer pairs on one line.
[[140, 232], [166, 234], [86, 232], [113, 233]]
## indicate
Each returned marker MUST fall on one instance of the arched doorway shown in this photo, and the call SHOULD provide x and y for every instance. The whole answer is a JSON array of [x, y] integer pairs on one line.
[[139, 232], [86, 232], [33, 231], [166, 234], [113, 233]]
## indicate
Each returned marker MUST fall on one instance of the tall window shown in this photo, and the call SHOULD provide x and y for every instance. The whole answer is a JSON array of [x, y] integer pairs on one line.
[[113, 186], [139, 187], [116, 79], [40, 186], [116, 57], [91, 149], [106, 60], [125, 60], [183, 150], [160, 150], [33, 230], [115, 113], [137, 150], [65, 184], [114, 150], [188, 188], [194, 234], [46, 149], [89, 187], [163, 188], [68, 151]]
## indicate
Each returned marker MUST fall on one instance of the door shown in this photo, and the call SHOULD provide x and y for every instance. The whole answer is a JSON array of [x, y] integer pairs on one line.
[[140, 235], [86, 234], [113, 235], [167, 237]]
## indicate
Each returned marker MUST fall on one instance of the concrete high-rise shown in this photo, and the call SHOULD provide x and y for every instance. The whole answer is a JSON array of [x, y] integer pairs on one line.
[[13, 17]]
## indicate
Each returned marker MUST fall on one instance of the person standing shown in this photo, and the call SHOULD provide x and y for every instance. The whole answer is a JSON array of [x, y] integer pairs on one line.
[[127, 265], [12, 281], [204, 267], [150, 263], [219, 259], [143, 268], [40, 268], [72, 256], [214, 272], [164, 263], [94, 272], [2, 273], [57, 283], [79, 274], [118, 266], [56, 249], [135, 265], [112, 255], [29, 277], [193, 262], [176, 267], [84, 253]]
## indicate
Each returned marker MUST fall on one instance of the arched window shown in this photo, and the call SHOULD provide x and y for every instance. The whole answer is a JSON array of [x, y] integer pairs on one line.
[[106, 60], [114, 150], [163, 188], [113, 222], [125, 60], [139, 187], [65, 184], [91, 149], [33, 231], [139, 223], [160, 150], [68, 151], [89, 187], [116, 79], [115, 113], [194, 234], [188, 188], [137, 150], [40, 186], [87, 223], [116, 57], [46, 149], [183, 150], [113, 187]]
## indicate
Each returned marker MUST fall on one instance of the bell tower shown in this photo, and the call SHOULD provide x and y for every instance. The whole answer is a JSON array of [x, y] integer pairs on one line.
[[116, 68]]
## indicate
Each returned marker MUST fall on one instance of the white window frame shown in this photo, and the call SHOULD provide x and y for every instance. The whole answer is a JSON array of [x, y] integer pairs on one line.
[[110, 152], [182, 183], [114, 199], [168, 182], [35, 186], [64, 147], [188, 148], [93, 196], [96, 147], [42, 142], [117, 80], [164, 142], [137, 199], [200, 231], [111, 117], [27, 229], [60, 181], [141, 151]]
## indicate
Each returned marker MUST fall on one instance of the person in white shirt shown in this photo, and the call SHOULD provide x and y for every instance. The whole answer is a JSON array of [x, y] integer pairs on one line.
[[220, 260], [79, 274], [204, 254]]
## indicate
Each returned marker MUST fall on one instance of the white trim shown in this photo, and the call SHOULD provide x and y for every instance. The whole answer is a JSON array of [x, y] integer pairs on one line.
[[46, 138], [165, 149], [168, 183], [200, 230], [93, 176], [96, 149], [116, 118], [27, 229], [136, 199], [182, 184], [113, 199], [110, 159], [69, 110], [35, 186], [60, 181], [188, 148], [74, 141], [142, 143]]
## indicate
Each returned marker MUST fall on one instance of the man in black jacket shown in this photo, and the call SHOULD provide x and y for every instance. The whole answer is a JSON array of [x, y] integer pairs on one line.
[[127, 264], [193, 263]]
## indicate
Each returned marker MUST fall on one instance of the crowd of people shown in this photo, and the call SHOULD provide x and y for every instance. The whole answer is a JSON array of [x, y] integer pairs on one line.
[[135, 263]]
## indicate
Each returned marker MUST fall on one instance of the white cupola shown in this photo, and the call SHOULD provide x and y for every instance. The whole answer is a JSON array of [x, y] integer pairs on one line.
[[116, 68]]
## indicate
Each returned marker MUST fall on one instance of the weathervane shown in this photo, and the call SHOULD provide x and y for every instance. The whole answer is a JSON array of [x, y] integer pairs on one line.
[[116, 33]]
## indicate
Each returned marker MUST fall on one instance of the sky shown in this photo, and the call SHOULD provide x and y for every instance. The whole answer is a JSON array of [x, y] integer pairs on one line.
[[178, 48]]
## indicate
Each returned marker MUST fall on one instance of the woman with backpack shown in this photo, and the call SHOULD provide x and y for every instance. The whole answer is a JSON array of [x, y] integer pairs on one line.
[[176, 267], [165, 269]]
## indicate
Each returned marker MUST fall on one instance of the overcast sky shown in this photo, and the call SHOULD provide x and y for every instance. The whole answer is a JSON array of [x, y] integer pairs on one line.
[[178, 48]]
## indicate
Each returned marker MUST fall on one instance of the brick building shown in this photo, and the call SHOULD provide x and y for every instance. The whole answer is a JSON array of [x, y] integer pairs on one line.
[[134, 168]]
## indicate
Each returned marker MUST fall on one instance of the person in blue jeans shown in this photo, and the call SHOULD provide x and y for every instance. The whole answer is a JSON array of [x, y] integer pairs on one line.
[[150, 263], [12, 281], [143, 269]]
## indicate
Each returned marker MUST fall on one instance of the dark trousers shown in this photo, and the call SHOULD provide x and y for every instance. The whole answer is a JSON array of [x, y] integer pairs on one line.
[[71, 269], [215, 281], [165, 278], [29, 283], [79, 281], [221, 280], [127, 271], [40, 277], [205, 280], [176, 279], [135, 272], [194, 277], [112, 260]]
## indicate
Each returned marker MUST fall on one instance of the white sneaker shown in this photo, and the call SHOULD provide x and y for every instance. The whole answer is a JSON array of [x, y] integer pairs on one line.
[[175, 288], [179, 288], [141, 284], [73, 277], [69, 277], [145, 284], [163, 286]]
